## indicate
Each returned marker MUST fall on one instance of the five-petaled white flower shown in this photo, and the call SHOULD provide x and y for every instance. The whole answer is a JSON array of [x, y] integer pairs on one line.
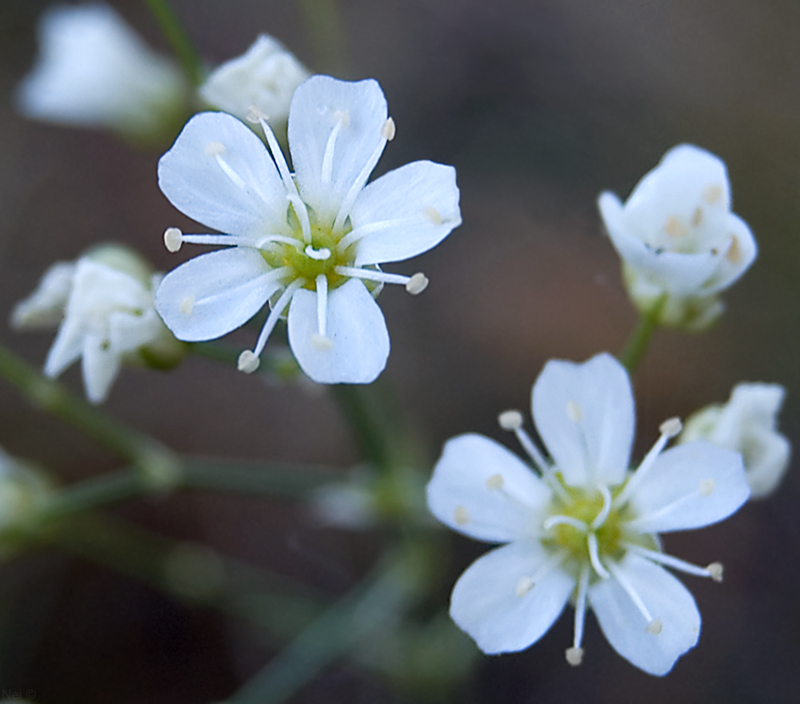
[[94, 71], [309, 241], [582, 527], [104, 304], [678, 239], [265, 76], [747, 424]]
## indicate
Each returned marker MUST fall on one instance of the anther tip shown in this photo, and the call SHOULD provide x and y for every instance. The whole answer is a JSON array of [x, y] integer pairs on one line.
[[173, 239], [574, 656], [248, 362], [323, 343], [655, 627], [510, 420], [255, 115], [671, 427], [388, 129], [417, 284], [715, 571], [214, 149]]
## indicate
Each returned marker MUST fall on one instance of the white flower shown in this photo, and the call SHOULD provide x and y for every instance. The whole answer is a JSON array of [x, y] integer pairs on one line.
[[108, 317], [266, 77], [678, 238], [747, 424], [309, 241], [581, 527], [94, 71]]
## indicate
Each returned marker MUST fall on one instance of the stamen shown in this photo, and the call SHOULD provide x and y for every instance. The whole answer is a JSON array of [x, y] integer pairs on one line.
[[734, 253], [321, 342], [362, 231], [432, 215], [234, 240], [327, 159], [655, 626], [495, 481], [461, 515], [630, 591], [664, 510], [255, 115], [510, 420], [574, 412], [711, 194], [601, 517], [715, 568], [214, 149], [187, 305], [248, 362], [322, 304], [576, 523], [358, 184], [669, 429], [302, 214], [417, 284], [372, 275], [173, 239], [275, 314], [524, 585], [388, 129], [706, 487], [319, 254], [594, 556], [230, 173], [575, 653]]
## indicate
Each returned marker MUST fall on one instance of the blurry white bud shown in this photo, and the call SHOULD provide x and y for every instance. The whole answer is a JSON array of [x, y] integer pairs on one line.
[[349, 506], [264, 78], [44, 308], [678, 239], [747, 424], [22, 490], [94, 71], [109, 319]]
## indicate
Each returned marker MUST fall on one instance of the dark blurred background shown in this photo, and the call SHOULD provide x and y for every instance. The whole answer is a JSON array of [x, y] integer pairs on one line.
[[540, 105]]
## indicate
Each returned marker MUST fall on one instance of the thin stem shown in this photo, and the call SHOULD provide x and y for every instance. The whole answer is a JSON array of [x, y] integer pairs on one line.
[[178, 39], [362, 613], [159, 466], [640, 339]]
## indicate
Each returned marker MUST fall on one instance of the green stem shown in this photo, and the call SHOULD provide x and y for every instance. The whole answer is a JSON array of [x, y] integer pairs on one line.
[[362, 613], [159, 466], [178, 39], [640, 339]]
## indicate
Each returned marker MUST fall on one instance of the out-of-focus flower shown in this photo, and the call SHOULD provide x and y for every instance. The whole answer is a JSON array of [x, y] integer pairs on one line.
[[94, 71], [678, 239], [266, 77], [104, 303], [747, 424], [582, 526], [22, 490], [309, 242]]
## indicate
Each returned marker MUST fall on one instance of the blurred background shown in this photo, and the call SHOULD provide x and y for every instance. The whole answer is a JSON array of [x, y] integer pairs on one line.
[[540, 105]]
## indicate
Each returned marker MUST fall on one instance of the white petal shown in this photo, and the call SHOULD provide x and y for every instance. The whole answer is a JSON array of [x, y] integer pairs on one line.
[[585, 416], [355, 327], [101, 364], [689, 486], [212, 294], [424, 195], [194, 182], [44, 308], [128, 332], [736, 258], [484, 491], [626, 629], [485, 602], [317, 106], [67, 347]]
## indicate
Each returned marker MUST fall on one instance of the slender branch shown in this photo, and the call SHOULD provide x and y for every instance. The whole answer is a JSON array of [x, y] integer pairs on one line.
[[640, 338], [178, 39]]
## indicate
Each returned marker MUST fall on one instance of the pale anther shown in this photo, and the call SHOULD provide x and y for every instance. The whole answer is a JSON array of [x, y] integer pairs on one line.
[[734, 253], [214, 148], [255, 115], [574, 411], [711, 194], [461, 515], [715, 570], [186, 305], [510, 420], [524, 585], [432, 215], [173, 239], [342, 117], [417, 284], [675, 228], [574, 656], [706, 487], [671, 428], [655, 626], [388, 129], [495, 481], [248, 362], [323, 343], [697, 217]]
